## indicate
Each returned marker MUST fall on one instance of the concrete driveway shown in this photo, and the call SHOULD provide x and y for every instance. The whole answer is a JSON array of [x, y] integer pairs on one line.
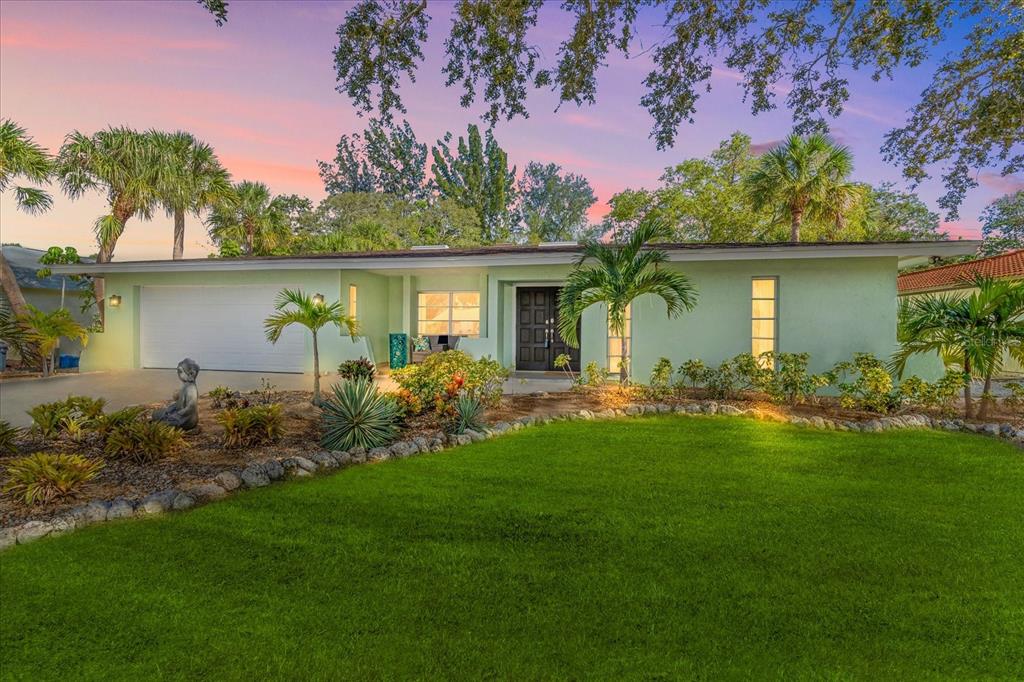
[[139, 386]]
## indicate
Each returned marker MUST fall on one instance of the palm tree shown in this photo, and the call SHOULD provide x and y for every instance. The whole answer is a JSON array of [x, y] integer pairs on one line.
[[21, 157], [121, 162], [842, 199], [47, 329], [313, 313], [250, 218], [975, 332], [193, 180], [622, 273], [798, 177]]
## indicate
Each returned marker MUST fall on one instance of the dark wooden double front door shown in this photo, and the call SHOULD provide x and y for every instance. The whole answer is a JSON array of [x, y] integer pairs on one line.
[[538, 342]]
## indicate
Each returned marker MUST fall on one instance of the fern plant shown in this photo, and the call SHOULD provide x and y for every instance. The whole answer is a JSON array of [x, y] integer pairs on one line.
[[251, 426], [43, 477], [8, 438], [143, 442], [469, 414], [357, 415]]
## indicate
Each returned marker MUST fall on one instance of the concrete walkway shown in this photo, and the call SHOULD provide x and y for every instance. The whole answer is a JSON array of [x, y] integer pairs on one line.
[[139, 386]]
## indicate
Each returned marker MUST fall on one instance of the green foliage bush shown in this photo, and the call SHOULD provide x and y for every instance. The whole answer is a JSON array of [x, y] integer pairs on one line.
[[246, 427], [789, 381], [8, 438], [49, 419], [357, 369], [43, 477], [469, 414], [1014, 401], [143, 442], [221, 395], [437, 380], [661, 377], [694, 371], [358, 415], [593, 376], [871, 388], [941, 394]]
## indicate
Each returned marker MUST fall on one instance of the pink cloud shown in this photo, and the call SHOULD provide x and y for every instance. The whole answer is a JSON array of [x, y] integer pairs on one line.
[[84, 43], [593, 123], [762, 147], [1004, 184], [964, 229], [274, 174]]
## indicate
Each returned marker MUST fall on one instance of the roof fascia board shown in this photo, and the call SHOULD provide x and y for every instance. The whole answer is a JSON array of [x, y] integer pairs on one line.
[[438, 260]]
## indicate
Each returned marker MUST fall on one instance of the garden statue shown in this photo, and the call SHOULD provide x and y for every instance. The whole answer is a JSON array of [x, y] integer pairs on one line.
[[184, 411]]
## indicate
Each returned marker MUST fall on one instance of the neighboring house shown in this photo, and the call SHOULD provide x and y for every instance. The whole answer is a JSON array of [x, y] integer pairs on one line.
[[958, 279], [44, 292], [830, 300]]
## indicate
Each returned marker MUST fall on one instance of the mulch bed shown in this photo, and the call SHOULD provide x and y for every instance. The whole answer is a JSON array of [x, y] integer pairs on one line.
[[205, 457]]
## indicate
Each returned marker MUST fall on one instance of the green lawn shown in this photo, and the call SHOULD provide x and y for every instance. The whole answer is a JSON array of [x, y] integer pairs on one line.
[[662, 547]]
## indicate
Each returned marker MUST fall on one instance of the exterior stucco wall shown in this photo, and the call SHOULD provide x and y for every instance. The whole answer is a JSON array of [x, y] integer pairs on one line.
[[830, 308]]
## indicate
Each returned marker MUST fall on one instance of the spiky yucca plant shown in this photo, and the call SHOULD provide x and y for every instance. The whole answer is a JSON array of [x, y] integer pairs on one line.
[[357, 415], [43, 477], [469, 414]]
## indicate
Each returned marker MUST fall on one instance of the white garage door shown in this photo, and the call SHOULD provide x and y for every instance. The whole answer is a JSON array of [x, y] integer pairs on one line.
[[218, 327]]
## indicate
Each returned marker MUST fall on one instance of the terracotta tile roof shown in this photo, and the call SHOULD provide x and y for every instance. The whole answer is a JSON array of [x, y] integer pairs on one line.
[[960, 274]]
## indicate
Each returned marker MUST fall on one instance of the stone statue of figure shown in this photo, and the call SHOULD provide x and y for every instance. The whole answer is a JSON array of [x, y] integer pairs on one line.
[[184, 411]]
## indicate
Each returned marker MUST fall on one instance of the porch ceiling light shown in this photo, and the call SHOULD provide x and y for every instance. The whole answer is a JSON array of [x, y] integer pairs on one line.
[[318, 299], [115, 300]]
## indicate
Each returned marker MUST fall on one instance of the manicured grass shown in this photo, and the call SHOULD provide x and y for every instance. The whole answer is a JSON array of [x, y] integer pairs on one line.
[[663, 547]]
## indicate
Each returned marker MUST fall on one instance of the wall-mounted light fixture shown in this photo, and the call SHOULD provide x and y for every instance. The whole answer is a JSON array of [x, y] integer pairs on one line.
[[318, 299], [115, 300]]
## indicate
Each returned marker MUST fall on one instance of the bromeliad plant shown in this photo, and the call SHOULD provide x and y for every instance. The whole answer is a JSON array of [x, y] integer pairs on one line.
[[313, 313], [144, 442], [358, 415], [357, 369], [619, 274], [251, 426], [43, 477], [8, 438], [48, 419]]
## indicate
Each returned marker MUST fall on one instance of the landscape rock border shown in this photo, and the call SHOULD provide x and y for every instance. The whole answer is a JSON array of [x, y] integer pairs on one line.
[[260, 474]]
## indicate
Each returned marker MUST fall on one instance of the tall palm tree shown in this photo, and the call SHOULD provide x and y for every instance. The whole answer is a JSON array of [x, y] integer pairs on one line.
[[621, 273], [126, 165], [193, 180], [312, 313], [47, 329], [975, 332], [21, 157], [798, 178], [251, 217], [842, 199]]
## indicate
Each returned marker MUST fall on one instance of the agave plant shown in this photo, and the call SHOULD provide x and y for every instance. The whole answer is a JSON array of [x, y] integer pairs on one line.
[[42, 477], [357, 415], [469, 414]]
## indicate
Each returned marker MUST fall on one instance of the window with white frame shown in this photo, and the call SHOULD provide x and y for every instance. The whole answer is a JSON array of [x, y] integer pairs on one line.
[[456, 313], [619, 346], [764, 316]]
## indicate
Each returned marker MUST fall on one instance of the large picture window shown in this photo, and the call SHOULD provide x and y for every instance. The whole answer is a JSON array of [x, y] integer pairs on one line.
[[619, 346], [764, 316], [456, 313]]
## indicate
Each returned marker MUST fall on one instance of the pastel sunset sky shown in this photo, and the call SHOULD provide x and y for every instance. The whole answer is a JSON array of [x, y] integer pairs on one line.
[[260, 90]]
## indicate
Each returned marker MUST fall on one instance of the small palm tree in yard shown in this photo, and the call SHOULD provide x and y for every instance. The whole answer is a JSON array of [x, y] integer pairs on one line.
[[312, 314], [619, 274], [975, 332], [47, 329], [800, 178]]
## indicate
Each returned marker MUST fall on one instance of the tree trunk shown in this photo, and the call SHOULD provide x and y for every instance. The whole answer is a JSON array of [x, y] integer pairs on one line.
[[986, 397], [794, 228], [105, 255], [316, 371], [624, 361], [11, 289], [179, 234], [968, 406]]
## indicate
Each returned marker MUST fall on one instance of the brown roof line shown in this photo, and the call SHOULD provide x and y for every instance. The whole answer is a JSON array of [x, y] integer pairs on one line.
[[529, 248], [935, 278]]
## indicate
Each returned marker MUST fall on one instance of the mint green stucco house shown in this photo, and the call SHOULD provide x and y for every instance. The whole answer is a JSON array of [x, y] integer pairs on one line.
[[830, 300]]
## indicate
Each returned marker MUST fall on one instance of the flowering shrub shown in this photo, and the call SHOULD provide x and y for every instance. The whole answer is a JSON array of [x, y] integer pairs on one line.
[[437, 381]]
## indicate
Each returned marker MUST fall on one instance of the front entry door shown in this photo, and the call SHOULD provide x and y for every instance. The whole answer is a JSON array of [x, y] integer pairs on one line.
[[538, 342]]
